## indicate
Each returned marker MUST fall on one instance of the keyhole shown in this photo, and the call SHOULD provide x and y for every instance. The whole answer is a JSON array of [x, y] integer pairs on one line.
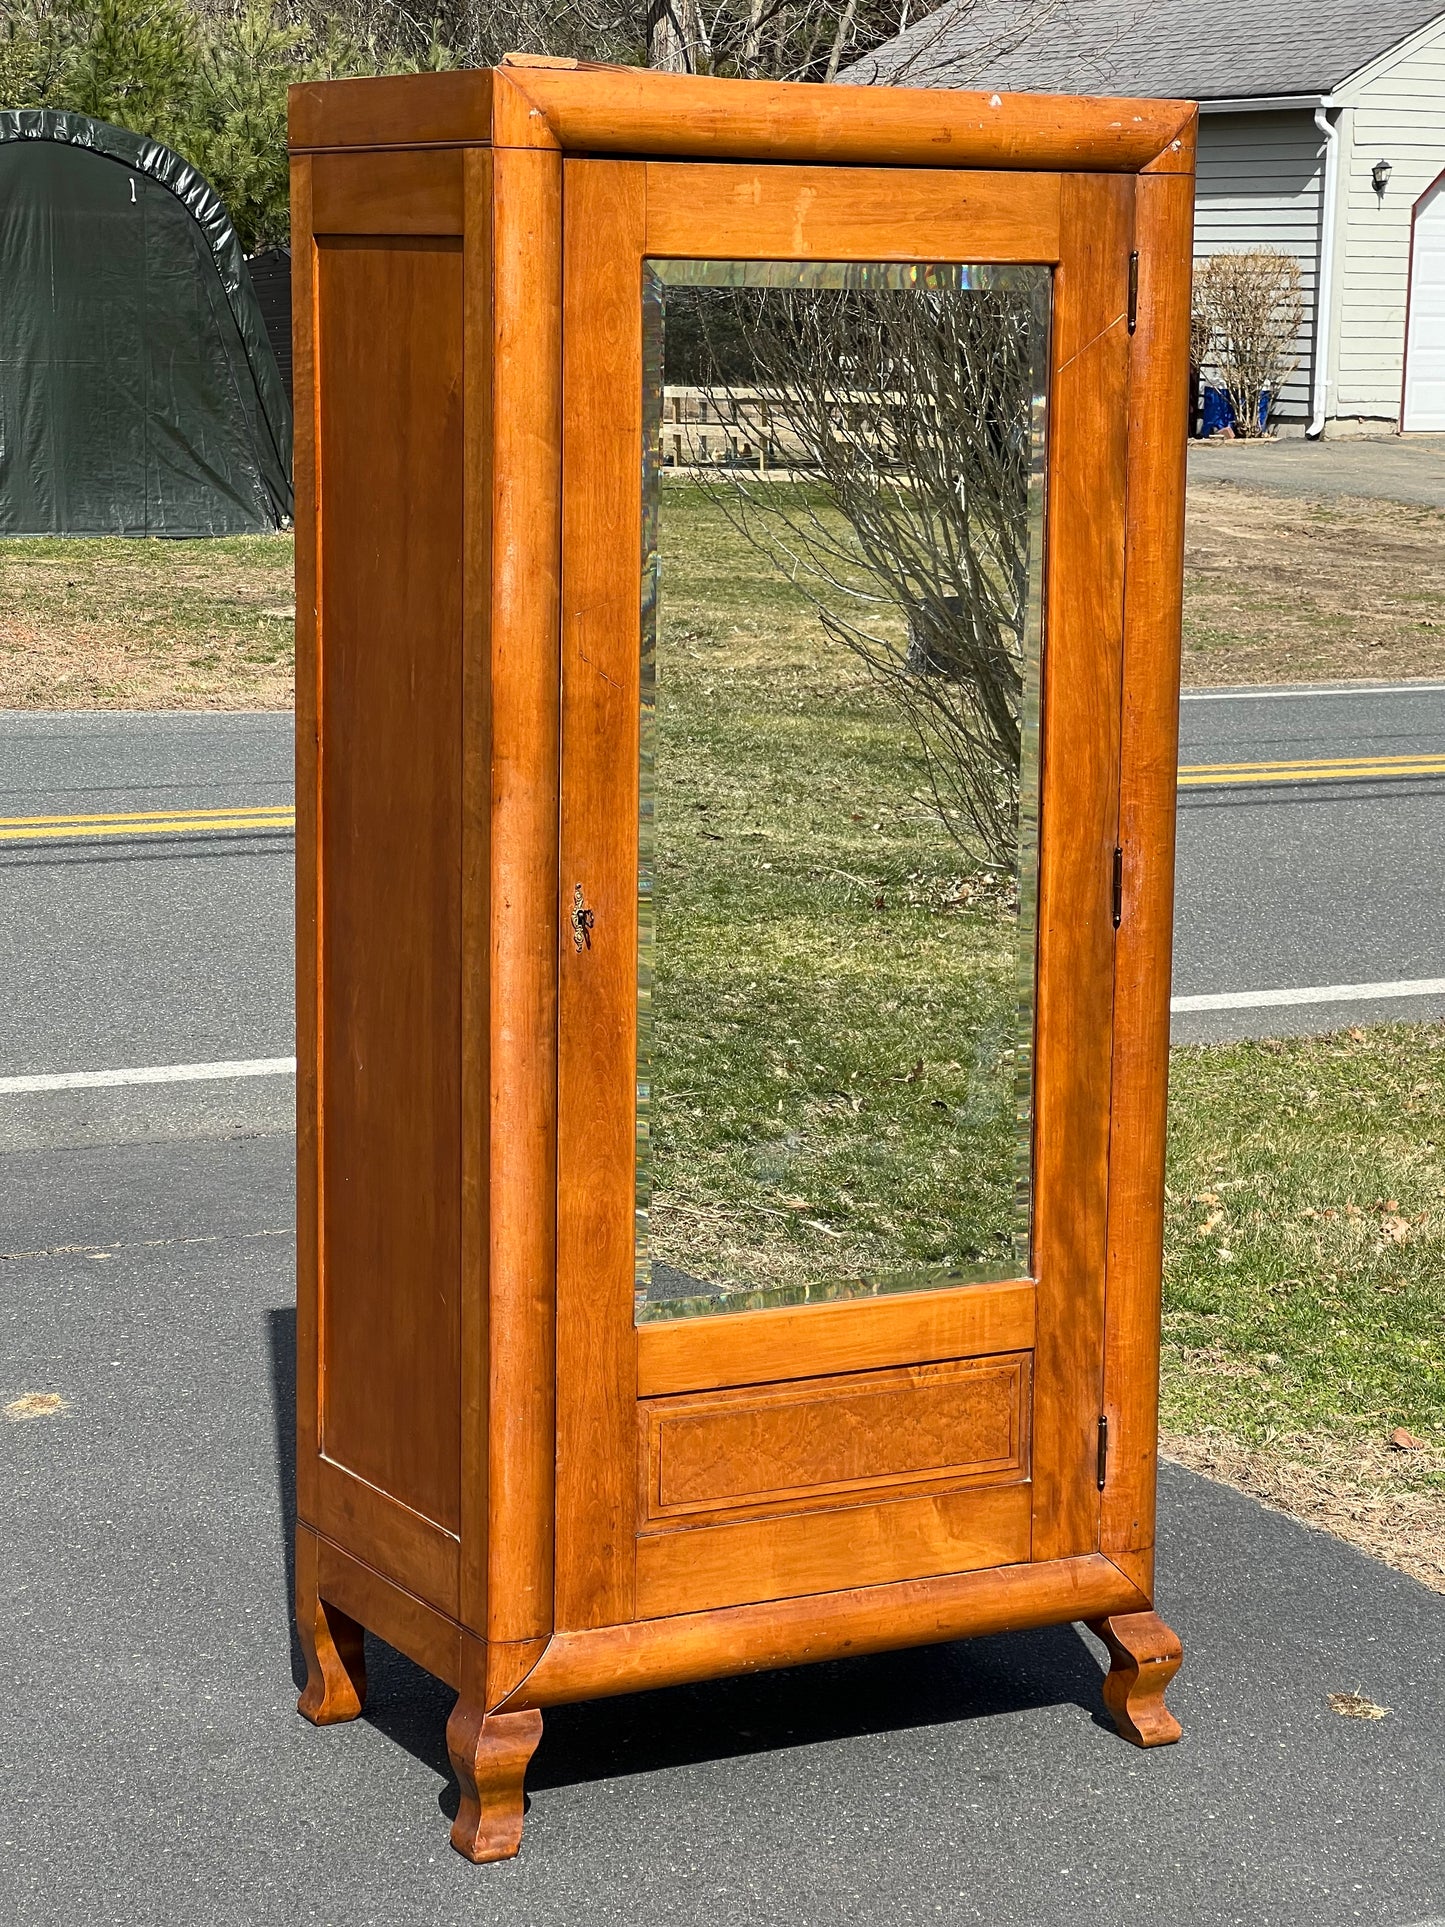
[[582, 921]]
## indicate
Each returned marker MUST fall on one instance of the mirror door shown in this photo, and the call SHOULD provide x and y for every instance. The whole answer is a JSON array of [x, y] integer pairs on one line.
[[842, 595]]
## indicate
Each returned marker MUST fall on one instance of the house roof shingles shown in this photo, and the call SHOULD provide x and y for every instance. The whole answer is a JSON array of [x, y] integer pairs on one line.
[[1170, 49]]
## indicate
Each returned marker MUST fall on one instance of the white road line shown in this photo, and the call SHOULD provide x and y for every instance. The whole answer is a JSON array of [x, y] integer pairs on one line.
[[1311, 994], [149, 1074], [1284, 693], [286, 1066]]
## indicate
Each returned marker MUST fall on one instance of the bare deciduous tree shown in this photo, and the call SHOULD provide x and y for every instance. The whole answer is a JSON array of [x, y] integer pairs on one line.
[[1247, 312], [747, 39], [907, 413]]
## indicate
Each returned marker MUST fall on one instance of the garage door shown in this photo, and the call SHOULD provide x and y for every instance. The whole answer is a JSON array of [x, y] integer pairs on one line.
[[1425, 341]]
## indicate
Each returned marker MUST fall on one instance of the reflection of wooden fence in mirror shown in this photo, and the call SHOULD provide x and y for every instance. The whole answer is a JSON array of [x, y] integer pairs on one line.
[[702, 428], [705, 428], [497, 1472]]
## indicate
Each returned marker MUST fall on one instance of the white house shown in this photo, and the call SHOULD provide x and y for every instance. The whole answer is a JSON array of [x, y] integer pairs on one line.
[[1322, 131]]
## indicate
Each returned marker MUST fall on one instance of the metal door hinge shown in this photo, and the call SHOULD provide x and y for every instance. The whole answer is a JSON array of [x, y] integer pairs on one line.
[[1133, 291], [1118, 886], [1103, 1460]]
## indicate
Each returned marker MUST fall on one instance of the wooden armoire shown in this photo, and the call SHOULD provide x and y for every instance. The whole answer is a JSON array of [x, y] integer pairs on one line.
[[739, 542]]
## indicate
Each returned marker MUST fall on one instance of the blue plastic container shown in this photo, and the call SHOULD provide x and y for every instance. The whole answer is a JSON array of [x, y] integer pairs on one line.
[[1218, 411]]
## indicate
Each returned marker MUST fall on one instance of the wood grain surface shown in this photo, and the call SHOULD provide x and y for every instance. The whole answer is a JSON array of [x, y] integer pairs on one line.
[[390, 432], [1158, 427], [802, 1631], [308, 843], [474, 963], [825, 1551], [630, 111], [525, 356], [403, 192], [392, 110], [490, 1754], [799, 213], [905, 1328], [410, 1624], [721, 1494], [333, 1645], [1084, 599], [1144, 1655], [601, 586], [390, 900], [627, 110]]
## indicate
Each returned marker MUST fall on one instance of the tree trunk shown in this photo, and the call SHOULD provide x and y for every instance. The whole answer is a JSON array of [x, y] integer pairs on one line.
[[667, 47]]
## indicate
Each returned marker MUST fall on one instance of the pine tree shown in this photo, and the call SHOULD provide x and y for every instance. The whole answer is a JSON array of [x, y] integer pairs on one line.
[[134, 65], [35, 52], [238, 133]]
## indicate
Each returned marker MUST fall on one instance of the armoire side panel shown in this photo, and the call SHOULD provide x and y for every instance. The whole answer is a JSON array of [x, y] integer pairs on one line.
[[389, 372]]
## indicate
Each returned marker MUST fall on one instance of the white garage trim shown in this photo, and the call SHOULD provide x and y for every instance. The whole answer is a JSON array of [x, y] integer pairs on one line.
[[1415, 412]]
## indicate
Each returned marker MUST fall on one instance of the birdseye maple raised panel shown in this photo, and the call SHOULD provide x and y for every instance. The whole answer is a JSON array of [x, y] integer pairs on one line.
[[813, 1441]]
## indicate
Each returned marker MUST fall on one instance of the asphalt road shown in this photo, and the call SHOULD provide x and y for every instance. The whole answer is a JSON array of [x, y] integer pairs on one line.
[[1391, 468], [119, 951], [1288, 885], [154, 1772]]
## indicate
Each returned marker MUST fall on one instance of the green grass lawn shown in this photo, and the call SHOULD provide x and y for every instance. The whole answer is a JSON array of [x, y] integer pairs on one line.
[[1304, 1290]]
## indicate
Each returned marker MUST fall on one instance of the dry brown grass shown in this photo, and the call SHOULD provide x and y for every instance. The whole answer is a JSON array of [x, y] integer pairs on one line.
[[1361, 1490], [125, 624], [1277, 590], [1283, 590]]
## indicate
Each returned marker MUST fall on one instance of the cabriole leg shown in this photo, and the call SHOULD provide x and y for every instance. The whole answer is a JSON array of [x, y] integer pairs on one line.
[[1144, 1655], [333, 1645], [490, 1755]]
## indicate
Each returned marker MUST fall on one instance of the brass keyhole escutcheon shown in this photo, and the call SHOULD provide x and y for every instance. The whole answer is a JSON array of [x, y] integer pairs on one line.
[[582, 921]]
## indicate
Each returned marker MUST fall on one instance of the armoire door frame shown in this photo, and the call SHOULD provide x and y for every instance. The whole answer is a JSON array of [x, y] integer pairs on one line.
[[616, 214]]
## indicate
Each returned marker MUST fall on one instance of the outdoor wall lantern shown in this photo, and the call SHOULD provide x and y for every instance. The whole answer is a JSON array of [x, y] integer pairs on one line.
[[739, 546], [1380, 174]]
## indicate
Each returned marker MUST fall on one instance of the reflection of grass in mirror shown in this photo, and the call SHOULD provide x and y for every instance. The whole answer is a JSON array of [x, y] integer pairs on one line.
[[834, 1007]]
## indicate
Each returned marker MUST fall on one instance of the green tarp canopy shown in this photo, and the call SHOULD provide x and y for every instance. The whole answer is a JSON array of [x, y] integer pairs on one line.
[[138, 392]]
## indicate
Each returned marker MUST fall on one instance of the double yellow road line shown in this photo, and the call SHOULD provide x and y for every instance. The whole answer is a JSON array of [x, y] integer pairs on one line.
[[1318, 769], [282, 817], [42, 829]]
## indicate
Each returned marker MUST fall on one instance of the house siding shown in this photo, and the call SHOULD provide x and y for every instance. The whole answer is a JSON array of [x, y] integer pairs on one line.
[[1258, 185], [1399, 116]]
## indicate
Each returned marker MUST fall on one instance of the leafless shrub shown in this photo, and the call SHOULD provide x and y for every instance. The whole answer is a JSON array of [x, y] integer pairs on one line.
[[1246, 320], [1201, 332], [907, 415]]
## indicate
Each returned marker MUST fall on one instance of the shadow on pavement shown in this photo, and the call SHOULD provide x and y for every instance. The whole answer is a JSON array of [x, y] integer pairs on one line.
[[811, 1705]]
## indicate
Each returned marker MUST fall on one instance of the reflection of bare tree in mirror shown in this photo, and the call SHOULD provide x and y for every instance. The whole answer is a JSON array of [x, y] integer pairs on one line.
[[877, 444]]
